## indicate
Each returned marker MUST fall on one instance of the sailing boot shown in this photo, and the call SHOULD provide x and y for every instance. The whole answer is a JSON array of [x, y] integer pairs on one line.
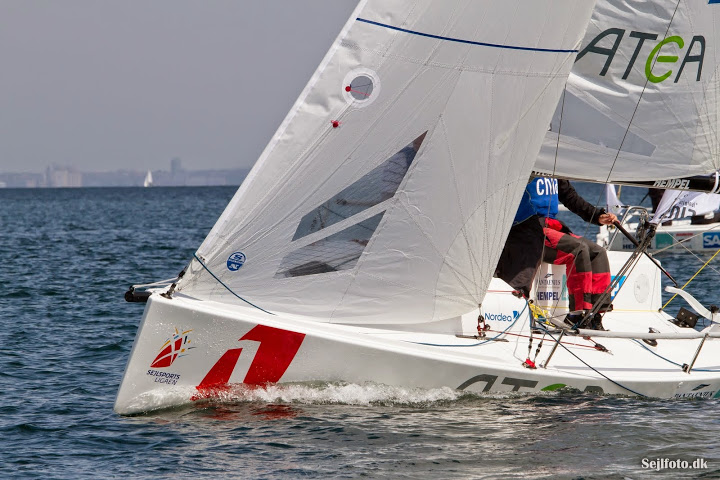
[[574, 320], [596, 322]]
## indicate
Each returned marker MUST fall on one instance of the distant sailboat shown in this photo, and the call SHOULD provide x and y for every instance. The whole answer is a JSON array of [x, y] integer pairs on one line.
[[148, 180]]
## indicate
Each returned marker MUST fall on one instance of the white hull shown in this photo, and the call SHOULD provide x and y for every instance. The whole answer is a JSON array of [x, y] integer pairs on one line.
[[234, 345]]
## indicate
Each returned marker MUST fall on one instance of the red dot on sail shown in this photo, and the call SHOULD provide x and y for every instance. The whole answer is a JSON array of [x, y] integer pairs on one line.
[[335, 124], [348, 88]]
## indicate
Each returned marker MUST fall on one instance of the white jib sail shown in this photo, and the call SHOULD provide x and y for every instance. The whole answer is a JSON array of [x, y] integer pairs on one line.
[[387, 193], [676, 204], [642, 99], [614, 205]]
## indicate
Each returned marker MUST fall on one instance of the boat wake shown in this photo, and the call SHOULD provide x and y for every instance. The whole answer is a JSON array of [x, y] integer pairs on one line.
[[338, 393], [316, 393]]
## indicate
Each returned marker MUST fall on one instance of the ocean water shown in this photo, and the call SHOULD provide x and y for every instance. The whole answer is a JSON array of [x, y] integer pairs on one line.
[[68, 255]]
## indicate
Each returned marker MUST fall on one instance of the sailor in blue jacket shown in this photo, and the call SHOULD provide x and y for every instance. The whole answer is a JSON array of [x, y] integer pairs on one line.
[[536, 235]]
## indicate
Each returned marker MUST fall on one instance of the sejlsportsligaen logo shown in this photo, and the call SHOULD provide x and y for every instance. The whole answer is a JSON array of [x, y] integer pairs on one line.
[[175, 346]]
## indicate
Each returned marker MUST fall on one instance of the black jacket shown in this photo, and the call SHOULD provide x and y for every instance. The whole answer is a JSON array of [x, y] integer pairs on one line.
[[576, 204]]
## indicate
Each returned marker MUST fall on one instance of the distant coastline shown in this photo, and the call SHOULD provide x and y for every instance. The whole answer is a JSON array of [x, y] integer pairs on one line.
[[68, 177]]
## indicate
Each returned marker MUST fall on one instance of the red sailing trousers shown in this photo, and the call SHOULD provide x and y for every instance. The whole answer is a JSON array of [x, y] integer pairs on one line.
[[586, 264]]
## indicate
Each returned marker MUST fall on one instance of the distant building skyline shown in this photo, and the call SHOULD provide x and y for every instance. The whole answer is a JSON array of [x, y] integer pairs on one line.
[[59, 176]]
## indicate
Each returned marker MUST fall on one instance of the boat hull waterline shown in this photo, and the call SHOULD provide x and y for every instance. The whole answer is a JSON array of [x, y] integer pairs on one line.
[[187, 350]]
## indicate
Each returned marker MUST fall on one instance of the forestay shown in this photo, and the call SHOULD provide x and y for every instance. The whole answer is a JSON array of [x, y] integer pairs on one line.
[[387, 193], [642, 99]]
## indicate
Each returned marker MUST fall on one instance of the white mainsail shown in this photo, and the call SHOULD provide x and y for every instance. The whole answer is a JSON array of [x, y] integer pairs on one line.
[[148, 182], [641, 102], [387, 193]]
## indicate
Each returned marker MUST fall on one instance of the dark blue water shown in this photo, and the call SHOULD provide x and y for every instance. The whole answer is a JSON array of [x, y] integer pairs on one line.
[[69, 255]]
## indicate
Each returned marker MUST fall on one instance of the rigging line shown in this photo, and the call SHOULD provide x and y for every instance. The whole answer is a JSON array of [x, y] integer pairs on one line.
[[226, 287], [596, 370], [670, 361], [632, 117], [557, 149], [686, 240], [626, 270], [691, 279], [682, 244], [617, 155], [544, 331], [698, 258]]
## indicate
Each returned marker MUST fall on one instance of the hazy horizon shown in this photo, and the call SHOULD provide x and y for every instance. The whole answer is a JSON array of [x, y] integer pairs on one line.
[[105, 86]]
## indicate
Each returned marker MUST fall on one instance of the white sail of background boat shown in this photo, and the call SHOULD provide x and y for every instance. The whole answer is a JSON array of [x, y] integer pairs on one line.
[[688, 221], [676, 204], [148, 182], [362, 245], [642, 100]]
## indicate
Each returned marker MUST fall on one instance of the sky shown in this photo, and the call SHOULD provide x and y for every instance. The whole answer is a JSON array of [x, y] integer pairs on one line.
[[105, 85]]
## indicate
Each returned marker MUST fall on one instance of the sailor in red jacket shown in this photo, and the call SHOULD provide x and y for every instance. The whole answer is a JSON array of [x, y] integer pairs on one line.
[[537, 235]]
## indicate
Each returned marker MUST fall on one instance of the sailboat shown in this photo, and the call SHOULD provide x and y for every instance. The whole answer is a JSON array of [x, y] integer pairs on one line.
[[687, 221], [362, 245], [148, 182]]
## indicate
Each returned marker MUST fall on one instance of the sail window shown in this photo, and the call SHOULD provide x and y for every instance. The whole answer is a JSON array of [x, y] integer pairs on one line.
[[378, 185], [337, 252], [360, 88]]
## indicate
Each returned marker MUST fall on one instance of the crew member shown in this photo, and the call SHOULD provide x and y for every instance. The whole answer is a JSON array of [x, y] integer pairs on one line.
[[536, 235]]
